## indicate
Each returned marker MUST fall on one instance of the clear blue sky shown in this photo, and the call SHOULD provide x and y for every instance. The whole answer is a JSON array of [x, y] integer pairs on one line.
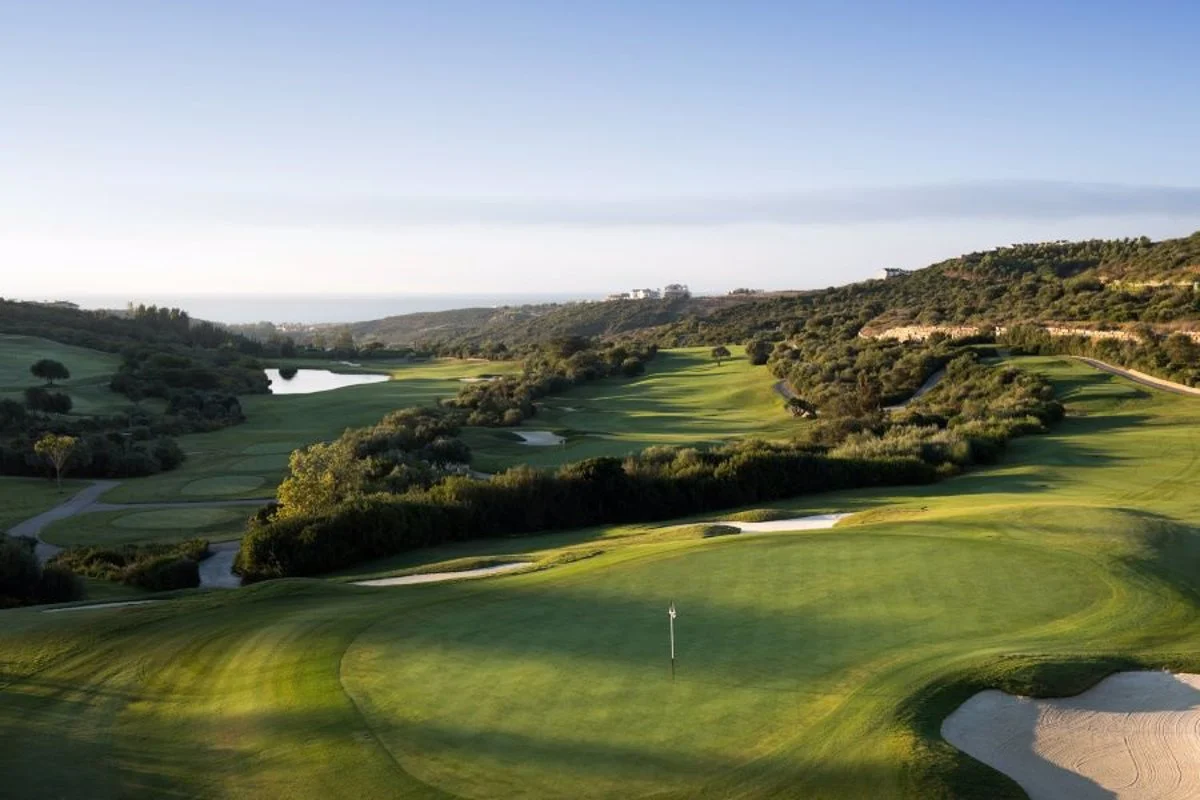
[[490, 146]]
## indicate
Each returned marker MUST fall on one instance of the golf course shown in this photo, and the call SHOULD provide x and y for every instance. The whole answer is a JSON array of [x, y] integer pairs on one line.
[[816, 663]]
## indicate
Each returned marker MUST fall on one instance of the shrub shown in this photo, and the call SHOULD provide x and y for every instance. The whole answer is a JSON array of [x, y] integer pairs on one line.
[[163, 573], [39, 399]]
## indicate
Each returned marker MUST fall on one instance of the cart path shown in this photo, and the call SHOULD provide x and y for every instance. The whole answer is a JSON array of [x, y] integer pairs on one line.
[[1141, 377], [216, 571]]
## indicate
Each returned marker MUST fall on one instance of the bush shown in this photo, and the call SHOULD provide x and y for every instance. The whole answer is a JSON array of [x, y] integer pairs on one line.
[[164, 573], [23, 581], [158, 567], [39, 399], [59, 585]]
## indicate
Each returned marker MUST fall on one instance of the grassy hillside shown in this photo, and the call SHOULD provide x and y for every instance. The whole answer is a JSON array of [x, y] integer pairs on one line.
[[812, 665], [90, 369], [684, 398]]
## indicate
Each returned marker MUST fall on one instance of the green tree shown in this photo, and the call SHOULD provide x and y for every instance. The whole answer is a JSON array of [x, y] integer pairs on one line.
[[57, 450], [759, 350], [320, 476], [50, 371], [720, 353]]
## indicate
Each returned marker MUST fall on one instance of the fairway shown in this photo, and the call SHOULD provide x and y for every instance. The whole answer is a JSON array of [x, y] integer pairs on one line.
[[685, 398], [250, 459], [110, 528], [810, 663]]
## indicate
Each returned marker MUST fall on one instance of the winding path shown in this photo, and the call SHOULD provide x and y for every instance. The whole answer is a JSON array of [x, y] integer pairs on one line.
[[930, 382], [216, 571]]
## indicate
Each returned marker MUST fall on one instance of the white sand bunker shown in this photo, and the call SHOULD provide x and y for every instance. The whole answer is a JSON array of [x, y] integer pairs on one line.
[[813, 523], [1133, 736], [97, 606], [540, 438], [437, 577]]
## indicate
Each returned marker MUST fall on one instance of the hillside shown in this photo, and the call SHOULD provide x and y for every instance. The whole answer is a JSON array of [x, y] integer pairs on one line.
[[520, 325], [1099, 282]]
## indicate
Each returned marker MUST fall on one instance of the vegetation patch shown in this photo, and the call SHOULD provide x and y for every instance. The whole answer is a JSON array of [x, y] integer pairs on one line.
[[759, 515], [156, 567]]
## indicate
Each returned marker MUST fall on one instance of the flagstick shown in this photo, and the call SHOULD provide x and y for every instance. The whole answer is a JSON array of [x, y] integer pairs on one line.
[[671, 616]]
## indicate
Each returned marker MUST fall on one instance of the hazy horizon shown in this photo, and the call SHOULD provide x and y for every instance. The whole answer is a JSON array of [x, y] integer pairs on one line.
[[401, 148]]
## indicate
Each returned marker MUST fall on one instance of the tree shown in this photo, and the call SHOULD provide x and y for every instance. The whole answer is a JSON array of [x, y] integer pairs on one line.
[[720, 353], [759, 350], [321, 476], [57, 450], [50, 371]]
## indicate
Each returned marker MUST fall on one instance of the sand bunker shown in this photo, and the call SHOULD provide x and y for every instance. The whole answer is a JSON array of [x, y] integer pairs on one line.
[[540, 438], [435, 577], [96, 606], [815, 522], [1133, 736]]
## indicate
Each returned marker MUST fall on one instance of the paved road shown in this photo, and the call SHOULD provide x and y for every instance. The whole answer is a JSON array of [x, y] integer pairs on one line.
[[1142, 378], [78, 502]]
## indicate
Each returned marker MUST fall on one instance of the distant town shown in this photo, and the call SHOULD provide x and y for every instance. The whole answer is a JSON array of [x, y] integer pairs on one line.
[[672, 291]]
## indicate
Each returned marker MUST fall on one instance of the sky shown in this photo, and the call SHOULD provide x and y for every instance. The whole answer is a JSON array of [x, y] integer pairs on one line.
[[391, 147]]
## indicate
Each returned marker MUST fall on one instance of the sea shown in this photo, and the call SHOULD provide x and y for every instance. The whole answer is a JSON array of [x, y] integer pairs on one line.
[[311, 309]]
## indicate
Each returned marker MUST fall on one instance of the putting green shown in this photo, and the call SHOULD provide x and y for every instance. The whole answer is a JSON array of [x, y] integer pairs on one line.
[[531, 685], [223, 484], [179, 518]]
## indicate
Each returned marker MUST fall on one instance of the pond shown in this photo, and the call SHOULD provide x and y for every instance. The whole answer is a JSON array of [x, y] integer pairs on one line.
[[307, 381]]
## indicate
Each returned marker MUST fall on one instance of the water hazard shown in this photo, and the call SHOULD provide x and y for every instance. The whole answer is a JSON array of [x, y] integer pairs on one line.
[[307, 381]]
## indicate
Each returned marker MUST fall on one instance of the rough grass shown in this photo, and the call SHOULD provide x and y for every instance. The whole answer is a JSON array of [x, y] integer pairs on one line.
[[813, 664], [22, 498], [683, 399]]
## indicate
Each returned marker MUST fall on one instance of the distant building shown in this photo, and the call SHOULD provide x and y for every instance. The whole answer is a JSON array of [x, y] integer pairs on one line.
[[618, 296], [674, 291], [645, 294], [892, 272]]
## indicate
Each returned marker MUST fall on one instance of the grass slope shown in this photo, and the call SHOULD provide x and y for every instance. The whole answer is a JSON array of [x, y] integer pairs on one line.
[[812, 664], [684, 398]]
